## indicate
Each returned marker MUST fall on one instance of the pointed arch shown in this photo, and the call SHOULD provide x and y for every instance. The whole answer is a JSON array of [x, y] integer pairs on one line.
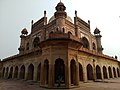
[[105, 72], [6, 74], [16, 72], [51, 32], [114, 72], [46, 71], [27, 46], [89, 72], [73, 71], [80, 72], [36, 42], [94, 46], [3, 72], [63, 29], [30, 72], [59, 70], [85, 43], [69, 33], [110, 72], [22, 72], [11, 73], [98, 72], [38, 72]]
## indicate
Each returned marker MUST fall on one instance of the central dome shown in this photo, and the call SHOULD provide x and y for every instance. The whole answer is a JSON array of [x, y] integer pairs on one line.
[[53, 18]]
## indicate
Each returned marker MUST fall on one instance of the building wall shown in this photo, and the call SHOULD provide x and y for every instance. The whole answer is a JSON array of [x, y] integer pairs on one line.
[[69, 55]]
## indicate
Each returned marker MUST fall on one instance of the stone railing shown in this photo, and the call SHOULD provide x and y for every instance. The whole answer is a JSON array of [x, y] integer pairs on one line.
[[24, 53], [93, 52], [60, 35]]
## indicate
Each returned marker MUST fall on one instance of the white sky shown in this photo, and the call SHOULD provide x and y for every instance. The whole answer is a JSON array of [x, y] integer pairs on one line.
[[17, 14]]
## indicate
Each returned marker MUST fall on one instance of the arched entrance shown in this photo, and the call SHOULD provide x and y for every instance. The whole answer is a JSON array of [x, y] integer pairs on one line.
[[80, 72], [3, 72], [110, 72], [22, 72], [38, 72], [73, 71], [16, 72], [98, 72], [11, 73], [105, 72], [89, 72], [36, 42], [94, 46], [59, 70], [114, 72], [46, 71], [30, 72], [118, 72], [85, 43], [6, 74]]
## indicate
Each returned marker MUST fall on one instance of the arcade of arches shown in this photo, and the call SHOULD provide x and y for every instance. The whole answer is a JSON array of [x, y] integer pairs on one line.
[[60, 51], [42, 73]]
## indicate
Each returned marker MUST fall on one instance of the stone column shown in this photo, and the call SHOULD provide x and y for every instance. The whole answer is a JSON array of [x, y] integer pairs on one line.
[[108, 74], [26, 72], [51, 76], [13, 72], [77, 73], [35, 73], [112, 73], [42, 75], [116, 73], [84, 74], [6, 73], [18, 73], [102, 74], [94, 70], [67, 74]]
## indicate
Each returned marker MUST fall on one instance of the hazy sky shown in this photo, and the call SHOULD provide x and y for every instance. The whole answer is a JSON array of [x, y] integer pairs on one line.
[[17, 14]]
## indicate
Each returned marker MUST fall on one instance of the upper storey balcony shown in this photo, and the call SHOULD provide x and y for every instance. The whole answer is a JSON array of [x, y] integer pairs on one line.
[[65, 36]]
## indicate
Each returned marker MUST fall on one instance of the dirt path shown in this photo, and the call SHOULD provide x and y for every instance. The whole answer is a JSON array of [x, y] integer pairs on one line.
[[112, 84]]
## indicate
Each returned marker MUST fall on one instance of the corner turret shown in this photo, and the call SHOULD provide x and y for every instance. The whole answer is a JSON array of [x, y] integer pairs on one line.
[[24, 33], [98, 40], [60, 10], [60, 16]]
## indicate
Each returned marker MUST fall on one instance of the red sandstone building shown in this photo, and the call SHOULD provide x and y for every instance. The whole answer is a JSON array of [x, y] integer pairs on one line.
[[60, 46]]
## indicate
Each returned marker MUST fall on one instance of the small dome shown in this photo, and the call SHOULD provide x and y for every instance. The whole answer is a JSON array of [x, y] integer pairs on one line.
[[60, 7], [24, 31], [53, 18], [96, 31], [69, 18], [60, 3]]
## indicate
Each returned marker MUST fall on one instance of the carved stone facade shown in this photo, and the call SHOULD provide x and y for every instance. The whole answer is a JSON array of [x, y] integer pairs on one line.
[[60, 47]]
